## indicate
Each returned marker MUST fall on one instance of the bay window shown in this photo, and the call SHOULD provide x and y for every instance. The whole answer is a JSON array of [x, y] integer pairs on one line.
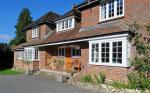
[[110, 52], [31, 54], [111, 9]]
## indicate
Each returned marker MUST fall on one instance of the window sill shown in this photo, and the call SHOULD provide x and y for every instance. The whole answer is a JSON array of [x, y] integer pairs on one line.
[[75, 57], [64, 30], [111, 19], [35, 37], [19, 58], [110, 65]]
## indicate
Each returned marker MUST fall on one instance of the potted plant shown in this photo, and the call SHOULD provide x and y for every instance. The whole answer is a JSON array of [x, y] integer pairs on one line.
[[60, 77]]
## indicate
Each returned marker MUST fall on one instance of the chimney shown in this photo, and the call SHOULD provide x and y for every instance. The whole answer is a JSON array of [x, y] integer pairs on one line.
[[74, 7]]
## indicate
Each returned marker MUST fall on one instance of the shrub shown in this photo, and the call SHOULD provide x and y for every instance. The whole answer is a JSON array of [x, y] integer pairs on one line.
[[87, 79], [100, 78], [138, 81], [120, 85]]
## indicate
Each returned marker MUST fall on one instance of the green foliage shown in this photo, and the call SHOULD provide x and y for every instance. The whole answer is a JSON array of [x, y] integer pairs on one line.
[[142, 44], [100, 78], [120, 85], [138, 81], [87, 79], [24, 19], [9, 72]]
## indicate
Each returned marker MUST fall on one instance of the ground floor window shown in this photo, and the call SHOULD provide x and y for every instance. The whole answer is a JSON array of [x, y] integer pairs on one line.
[[75, 52], [111, 52], [31, 54], [20, 54], [61, 52]]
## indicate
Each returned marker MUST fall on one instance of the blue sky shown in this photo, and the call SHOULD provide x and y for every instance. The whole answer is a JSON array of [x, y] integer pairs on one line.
[[10, 10]]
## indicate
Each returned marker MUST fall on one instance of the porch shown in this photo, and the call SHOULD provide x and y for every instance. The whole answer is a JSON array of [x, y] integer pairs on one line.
[[63, 58]]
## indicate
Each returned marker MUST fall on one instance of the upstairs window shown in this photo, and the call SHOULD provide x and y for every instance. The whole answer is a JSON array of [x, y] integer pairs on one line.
[[65, 24], [35, 32], [112, 9]]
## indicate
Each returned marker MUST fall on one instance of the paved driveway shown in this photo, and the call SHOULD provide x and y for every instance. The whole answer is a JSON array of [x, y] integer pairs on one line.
[[35, 84]]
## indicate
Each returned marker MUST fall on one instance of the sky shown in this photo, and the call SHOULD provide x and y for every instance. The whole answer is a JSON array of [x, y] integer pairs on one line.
[[10, 10]]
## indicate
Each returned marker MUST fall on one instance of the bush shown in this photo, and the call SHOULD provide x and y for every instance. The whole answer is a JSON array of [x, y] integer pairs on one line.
[[100, 78], [87, 79], [138, 81], [120, 85]]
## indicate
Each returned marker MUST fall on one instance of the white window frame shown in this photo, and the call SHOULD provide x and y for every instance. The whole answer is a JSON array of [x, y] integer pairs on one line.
[[60, 55], [125, 51], [35, 32], [19, 54], [31, 56], [107, 11], [62, 23]]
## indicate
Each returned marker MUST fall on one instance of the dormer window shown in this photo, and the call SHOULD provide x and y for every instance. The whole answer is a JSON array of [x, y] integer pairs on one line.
[[65, 24], [112, 9], [35, 32]]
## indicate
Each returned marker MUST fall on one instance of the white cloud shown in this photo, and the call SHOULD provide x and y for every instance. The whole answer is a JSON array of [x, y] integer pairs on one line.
[[5, 37]]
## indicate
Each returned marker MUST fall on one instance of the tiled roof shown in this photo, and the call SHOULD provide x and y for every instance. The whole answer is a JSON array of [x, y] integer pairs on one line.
[[75, 34], [18, 46], [47, 18], [70, 13]]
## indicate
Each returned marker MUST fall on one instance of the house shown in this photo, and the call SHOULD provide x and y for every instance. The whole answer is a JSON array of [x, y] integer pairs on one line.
[[92, 37]]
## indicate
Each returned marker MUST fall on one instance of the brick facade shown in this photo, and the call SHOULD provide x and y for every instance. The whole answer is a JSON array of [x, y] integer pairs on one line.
[[20, 64], [135, 10]]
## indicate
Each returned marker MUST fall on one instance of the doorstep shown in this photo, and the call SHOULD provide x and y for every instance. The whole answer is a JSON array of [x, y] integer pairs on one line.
[[54, 72]]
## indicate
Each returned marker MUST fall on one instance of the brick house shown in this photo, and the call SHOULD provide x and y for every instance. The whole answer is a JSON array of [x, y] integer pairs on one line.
[[92, 37]]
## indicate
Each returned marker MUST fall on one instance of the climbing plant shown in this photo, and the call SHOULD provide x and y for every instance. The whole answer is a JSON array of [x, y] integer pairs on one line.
[[141, 41]]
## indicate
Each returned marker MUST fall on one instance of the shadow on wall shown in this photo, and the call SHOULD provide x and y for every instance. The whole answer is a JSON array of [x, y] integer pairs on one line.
[[6, 56]]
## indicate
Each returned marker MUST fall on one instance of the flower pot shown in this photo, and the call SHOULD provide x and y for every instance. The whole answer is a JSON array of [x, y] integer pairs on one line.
[[29, 72], [61, 78]]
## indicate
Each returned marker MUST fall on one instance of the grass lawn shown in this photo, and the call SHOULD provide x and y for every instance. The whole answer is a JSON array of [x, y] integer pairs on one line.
[[9, 72]]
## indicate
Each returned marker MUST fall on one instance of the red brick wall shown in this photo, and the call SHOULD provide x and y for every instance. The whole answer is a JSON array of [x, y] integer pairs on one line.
[[44, 29], [135, 10], [28, 35], [19, 64], [90, 17]]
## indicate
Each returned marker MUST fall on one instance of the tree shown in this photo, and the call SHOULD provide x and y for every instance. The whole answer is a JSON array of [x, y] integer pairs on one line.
[[24, 19]]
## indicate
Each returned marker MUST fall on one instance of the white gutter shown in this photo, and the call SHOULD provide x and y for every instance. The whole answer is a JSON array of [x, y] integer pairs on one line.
[[80, 40]]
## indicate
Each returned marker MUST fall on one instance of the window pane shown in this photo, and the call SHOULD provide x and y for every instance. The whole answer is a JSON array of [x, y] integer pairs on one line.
[[119, 7], [111, 8], [95, 53], [66, 24], [36, 54], [117, 52], [70, 22], [105, 52], [63, 24], [103, 13]]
